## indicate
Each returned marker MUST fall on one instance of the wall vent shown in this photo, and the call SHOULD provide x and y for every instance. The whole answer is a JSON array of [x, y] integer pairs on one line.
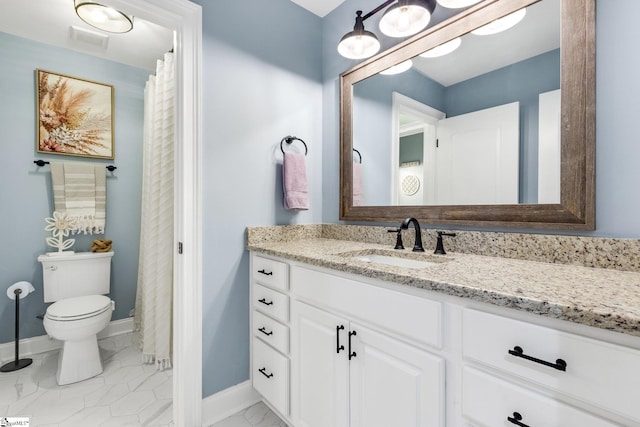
[[88, 37]]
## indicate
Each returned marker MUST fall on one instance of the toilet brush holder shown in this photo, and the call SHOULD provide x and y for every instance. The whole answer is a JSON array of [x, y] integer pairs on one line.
[[18, 291]]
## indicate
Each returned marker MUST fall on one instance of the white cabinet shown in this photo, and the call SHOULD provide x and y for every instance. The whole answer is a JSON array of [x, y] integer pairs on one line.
[[392, 383], [494, 402], [270, 370], [348, 371], [334, 350], [320, 368], [600, 374]]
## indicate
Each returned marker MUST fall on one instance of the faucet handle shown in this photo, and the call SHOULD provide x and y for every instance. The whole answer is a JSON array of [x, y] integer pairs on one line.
[[399, 244], [439, 245], [442, 233]]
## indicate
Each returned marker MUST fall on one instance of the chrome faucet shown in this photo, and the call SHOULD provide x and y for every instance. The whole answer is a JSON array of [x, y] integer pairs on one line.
[[417, 247]]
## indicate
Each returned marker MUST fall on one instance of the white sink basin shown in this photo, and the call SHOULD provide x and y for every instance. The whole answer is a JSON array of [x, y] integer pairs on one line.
[[394, 261]]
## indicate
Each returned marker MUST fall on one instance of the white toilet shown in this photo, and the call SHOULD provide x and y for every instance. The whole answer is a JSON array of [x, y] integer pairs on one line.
[[76, 284]]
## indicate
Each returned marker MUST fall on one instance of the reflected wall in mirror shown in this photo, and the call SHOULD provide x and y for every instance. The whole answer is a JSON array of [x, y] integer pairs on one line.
[[483, 135]]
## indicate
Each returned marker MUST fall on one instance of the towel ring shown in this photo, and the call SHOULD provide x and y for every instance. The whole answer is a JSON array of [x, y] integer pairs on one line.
[[359, 155], [289, 139]]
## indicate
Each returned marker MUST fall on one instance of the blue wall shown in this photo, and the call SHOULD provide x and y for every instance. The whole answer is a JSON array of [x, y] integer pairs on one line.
[[262, 82], [26, 189], [617, 147]]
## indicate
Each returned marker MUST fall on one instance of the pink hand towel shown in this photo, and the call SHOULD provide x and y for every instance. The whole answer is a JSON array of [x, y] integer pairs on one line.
[[358, 188], [294, 177]]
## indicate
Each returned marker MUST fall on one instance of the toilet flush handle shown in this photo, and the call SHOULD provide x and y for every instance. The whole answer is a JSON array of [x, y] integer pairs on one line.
[[52, 268]]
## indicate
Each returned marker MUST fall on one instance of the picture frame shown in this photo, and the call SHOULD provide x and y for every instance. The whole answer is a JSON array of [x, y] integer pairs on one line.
[[74, 116]]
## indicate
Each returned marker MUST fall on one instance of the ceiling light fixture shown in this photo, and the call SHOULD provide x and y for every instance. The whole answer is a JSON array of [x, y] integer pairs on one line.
[[103, 17], [501, 24], [456, 4], [407, 17], [397, 69], [443, 49], [402, 19], [359, 43]]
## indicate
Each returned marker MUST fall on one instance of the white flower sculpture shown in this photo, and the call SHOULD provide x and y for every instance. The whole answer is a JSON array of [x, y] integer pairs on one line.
[[60, 226]]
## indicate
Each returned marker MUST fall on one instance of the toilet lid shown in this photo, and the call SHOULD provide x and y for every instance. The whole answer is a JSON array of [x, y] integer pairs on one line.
[[78, 307]]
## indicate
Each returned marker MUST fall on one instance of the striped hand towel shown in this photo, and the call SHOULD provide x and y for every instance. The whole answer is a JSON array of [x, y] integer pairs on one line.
[[79, 190]]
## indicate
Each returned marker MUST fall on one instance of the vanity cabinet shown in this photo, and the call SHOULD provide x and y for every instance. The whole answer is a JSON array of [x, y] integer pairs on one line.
[[331, 349], [491, 401], [270, 363], [352, 368], [560, 364]]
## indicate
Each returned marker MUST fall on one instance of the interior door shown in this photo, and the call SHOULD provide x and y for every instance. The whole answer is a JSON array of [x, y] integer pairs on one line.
[[393, 383], [320, 376], [477, 157]]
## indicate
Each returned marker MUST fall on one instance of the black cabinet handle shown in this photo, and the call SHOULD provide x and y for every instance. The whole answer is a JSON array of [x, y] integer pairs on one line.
[[266, 273], [516, 420], [338, 346], [264, 331], [352, 354], [263, 371], [560, 364], [264, 301]]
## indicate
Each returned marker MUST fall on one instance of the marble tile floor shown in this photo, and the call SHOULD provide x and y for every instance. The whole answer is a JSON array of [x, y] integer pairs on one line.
[[127, 393], [258, 415]]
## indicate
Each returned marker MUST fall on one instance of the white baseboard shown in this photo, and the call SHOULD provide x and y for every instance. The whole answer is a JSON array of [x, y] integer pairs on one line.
[[219, 406], [42, 343]]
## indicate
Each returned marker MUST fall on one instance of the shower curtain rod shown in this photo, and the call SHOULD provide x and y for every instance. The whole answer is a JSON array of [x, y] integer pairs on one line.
[[41, 163]]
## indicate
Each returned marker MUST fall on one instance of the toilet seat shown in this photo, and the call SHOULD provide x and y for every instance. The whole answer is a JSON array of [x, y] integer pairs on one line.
[[78, 308]]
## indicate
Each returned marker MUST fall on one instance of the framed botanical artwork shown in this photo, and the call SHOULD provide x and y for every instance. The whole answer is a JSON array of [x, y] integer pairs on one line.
[[75, 116]]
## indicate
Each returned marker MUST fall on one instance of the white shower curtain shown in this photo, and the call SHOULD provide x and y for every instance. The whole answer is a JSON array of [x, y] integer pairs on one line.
[[153, 310]]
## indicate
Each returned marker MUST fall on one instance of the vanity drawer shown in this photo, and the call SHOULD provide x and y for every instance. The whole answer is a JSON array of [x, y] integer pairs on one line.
[[597, 372], [271, 273], [399, 314], [489, 401], [271, 376], [272, 332], [271, 302]]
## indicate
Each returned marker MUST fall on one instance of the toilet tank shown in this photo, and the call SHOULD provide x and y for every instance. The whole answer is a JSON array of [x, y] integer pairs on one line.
[[75, 275]]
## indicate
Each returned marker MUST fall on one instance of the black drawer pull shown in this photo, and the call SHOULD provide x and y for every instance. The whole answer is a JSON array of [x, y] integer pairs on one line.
[[264, 331], [560, 364], [338, 346], [263, 371], [266, 273], [352, 354], [516, 420], [264, 301]]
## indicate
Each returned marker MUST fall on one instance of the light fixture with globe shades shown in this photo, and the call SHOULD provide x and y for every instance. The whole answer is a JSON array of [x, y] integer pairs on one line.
[[103, 17], [407, 17], [402, 19], [359, 43]]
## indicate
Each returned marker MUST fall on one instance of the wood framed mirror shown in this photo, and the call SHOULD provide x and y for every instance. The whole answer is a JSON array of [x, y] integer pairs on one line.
[[575, 126]]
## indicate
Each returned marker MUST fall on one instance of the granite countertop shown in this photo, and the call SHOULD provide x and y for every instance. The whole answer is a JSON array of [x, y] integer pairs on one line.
[[598, 297]]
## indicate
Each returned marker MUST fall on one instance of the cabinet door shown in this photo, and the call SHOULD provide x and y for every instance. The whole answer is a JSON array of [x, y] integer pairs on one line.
[[320, 377], [393, 383]]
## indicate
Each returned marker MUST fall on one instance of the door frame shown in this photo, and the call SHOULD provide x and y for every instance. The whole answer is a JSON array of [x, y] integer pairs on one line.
[[402, 104], [185, 18]]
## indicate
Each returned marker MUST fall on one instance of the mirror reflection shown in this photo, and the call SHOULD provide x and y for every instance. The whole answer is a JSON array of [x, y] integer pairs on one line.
[[472, 122]]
